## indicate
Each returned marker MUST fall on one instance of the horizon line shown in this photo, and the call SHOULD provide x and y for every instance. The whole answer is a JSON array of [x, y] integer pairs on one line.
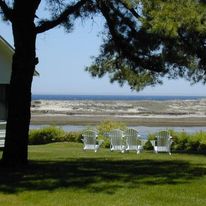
[[168, 95]]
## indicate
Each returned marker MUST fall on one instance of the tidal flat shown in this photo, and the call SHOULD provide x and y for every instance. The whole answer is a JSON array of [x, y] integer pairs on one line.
[[142, 112]]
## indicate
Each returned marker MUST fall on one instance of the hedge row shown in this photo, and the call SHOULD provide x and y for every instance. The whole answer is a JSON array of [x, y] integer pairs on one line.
[[52, 134], [183, 142]]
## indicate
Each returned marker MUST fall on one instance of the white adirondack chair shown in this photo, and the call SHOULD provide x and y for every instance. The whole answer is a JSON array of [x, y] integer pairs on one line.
[[133, 141], [2, 137], [116, 140], [90, 140], [163, 142]]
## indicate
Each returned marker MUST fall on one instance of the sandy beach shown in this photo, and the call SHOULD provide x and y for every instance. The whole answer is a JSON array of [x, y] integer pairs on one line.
[[149, 113]]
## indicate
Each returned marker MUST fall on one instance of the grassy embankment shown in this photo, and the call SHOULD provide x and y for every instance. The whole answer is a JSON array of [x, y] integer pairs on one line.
[[63, 174]]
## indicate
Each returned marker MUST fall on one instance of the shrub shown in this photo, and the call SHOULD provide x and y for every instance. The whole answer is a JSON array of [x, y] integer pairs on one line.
[[202, 146], [201, 137], [184, 142], [73, 137], [148, 145], [46, 135], [106, 126], [180, 140]]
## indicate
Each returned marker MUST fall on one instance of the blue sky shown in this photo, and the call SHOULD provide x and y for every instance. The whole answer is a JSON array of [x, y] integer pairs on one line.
[[63, 57]]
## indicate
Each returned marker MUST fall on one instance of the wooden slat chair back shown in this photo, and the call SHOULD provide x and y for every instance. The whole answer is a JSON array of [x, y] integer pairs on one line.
[[163, 142], [90, 140], [116, 141], [90, 137], [163, 138], [2, 138], [132, 140]]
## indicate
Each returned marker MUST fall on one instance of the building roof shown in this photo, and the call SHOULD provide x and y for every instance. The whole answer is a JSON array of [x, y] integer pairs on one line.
[[2, 40], [11, 49]]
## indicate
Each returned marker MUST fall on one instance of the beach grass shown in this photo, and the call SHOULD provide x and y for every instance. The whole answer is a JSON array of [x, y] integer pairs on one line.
[[63, 174]]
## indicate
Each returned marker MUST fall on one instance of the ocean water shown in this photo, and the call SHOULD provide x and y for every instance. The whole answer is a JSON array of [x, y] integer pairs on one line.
[[114, 97]]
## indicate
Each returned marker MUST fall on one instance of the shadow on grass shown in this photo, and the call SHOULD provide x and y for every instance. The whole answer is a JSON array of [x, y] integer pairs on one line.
[[97, 175]]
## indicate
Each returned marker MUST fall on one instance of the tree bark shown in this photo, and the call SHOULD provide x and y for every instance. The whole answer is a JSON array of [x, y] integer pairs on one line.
[[19, 99]]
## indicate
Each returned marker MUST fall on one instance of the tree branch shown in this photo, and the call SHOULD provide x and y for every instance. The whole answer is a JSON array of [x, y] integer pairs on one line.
[[132, 10], [120, 43], [111, 25], [123, 47], [125, 19], [6, 10], [47, 25]]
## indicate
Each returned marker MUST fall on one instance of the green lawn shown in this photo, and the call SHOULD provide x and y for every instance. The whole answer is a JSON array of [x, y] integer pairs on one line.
[[63, 174]]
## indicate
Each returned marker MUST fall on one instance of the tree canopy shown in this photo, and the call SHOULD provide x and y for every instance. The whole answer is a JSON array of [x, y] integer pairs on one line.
[[168, 39]]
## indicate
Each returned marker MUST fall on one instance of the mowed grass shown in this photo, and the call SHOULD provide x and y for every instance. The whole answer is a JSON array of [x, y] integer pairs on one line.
[[62, 174]]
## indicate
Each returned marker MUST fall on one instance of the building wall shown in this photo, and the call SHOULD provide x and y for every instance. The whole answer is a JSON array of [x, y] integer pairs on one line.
[[3, 102], [5, 63], [6, 53]]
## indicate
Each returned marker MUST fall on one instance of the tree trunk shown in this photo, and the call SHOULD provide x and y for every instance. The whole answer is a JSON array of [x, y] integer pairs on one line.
[[16, 143]]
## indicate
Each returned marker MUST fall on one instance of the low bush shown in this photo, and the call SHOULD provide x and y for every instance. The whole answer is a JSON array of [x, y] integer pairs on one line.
[[73, 137], [180, 140], [46, 135], [184, 142], [52, 134], [148, 145]]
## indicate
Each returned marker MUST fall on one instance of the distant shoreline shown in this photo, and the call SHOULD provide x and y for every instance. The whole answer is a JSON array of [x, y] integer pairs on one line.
[[143, 113], [94, 120]]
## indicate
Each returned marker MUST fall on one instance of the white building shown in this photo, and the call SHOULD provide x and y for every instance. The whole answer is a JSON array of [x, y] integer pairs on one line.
[[6, 53]]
